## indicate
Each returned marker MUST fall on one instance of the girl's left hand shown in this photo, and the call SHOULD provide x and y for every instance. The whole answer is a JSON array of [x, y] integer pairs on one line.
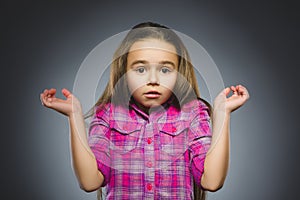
[[229, 104]]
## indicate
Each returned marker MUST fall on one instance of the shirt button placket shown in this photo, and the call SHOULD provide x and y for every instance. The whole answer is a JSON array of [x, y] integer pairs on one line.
[[149, 161]]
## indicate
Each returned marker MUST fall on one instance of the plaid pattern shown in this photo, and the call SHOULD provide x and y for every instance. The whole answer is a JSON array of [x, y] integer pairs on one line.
[[153, 156]]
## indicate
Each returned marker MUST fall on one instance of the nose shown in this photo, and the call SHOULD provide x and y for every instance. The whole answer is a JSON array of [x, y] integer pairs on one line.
[[153, 77]]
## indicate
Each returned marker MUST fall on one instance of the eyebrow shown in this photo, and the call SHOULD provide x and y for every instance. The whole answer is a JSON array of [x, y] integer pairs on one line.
[[139, 62], [146, 62]]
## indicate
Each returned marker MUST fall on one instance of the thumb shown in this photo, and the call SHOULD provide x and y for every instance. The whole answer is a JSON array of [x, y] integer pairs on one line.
[[66, 92], [226, 91]]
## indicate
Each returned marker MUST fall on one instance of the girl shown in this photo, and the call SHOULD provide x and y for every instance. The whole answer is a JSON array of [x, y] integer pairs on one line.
[[150, 132]]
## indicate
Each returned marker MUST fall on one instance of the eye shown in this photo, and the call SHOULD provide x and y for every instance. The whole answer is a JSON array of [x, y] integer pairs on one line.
[[140, 70], [165, 70]]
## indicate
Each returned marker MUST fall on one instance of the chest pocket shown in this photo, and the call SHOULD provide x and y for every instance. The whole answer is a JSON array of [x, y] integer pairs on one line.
[[173, 138], [124, 136]]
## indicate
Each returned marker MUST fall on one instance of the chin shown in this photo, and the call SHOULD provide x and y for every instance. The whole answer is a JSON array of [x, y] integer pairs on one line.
[[153, 105]]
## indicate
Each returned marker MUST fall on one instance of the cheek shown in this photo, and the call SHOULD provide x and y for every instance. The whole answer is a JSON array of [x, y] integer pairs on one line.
[[134, 82], [169, 82]]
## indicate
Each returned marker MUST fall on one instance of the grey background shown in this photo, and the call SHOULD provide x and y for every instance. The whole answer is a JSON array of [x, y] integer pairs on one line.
[[254, 43]]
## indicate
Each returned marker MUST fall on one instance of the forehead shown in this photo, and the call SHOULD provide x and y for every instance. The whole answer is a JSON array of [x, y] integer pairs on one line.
[[154, 44], [152, 50]]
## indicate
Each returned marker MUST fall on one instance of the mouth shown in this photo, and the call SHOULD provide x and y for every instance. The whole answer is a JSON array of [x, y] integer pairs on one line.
[[152, 94]]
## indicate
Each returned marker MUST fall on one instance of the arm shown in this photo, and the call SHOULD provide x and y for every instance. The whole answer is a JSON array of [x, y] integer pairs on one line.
[[83, 160], [217, 159]]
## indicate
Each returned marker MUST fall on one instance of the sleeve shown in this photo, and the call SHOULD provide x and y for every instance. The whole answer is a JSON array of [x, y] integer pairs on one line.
[[200, 140], [98, 140]]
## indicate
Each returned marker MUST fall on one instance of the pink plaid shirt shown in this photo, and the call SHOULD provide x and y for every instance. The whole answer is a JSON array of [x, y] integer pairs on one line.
[[153, 156]]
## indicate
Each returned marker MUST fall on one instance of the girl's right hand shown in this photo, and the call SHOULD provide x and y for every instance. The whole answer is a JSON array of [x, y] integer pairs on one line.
[[67, 106]]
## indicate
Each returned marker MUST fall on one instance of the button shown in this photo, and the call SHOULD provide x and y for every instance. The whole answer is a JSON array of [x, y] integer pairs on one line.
[[174, 129], [149, 140], [149, 186], [149, 164]]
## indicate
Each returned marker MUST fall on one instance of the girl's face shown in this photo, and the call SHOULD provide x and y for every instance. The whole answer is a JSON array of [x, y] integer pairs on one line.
[[152, 67]]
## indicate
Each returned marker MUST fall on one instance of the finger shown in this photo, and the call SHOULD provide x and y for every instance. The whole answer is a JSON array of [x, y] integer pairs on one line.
[[45, 92], [234, 90], [43, 95], [246, 93], [240, 89], [51, 92], [42, 98], [66, 92], [243, 91], [45, 100], [224, 92], [227, 91]]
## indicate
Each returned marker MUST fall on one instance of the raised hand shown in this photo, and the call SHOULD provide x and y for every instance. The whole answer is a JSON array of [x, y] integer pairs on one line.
[[65, 106], [231, 103]]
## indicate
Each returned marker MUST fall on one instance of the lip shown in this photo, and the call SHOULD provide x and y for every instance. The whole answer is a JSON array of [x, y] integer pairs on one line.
[[152, 94]]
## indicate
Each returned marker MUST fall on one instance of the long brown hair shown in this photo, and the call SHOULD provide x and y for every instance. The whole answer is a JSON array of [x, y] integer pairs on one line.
[[186, 87]]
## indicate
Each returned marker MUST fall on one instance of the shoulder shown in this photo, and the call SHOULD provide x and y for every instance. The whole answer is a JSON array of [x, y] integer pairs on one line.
[[196, 106], [102, 109], [113, 112]]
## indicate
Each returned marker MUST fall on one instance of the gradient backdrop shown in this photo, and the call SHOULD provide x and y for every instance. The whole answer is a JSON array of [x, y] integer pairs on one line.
[[254, 43]]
